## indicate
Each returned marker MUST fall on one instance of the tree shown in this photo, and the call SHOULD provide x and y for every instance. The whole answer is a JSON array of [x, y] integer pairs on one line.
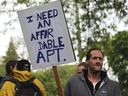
[[11, 53], [87, 19], [73, 15], [89, 22], [118, 59]]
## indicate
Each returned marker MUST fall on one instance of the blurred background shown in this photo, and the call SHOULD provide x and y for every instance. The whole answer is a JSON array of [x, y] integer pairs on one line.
[[91, 23]]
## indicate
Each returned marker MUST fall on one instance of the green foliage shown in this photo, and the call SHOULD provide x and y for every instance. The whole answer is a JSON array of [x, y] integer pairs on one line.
[[89, 29], [87, 21], [2, 69], [11, 53], [22, 1], [118, 59], [47, 77]]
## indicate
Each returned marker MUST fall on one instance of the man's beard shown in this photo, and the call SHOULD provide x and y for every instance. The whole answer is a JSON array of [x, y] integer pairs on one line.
[[95, 71]]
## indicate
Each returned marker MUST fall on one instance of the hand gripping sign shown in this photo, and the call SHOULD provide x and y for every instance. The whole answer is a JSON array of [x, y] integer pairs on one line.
[[46, 35]]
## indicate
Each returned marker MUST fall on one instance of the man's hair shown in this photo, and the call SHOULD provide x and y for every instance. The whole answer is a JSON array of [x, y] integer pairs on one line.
[[88, 55], [10, 66], [23, 65]]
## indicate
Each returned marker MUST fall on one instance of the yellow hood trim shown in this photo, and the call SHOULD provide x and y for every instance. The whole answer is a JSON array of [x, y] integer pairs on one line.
[[22, 75]]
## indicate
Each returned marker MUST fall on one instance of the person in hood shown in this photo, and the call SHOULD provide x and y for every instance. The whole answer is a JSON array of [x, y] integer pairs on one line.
[[92, 81], [21, 72], [10, 66], [9, 71]]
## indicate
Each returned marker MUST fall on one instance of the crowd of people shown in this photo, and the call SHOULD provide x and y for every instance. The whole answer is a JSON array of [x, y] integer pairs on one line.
[[90, 79], [20, 71]]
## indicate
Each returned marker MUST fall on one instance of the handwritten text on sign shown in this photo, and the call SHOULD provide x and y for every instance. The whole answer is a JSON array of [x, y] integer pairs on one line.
[[46, 35], [52, 45]]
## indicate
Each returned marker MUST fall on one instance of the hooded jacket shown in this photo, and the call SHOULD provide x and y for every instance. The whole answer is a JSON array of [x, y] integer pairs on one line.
[[1, 78], [77, 86], [8, 89]]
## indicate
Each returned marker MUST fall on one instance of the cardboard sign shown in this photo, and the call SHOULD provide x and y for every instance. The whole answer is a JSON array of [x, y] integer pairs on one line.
[[46, 35]]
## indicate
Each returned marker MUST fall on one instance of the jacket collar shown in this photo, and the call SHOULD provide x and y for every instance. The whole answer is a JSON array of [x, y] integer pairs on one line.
[[103, 75]]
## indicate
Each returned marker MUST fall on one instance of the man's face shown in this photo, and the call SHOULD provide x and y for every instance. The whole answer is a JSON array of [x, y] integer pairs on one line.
[[96, 61]]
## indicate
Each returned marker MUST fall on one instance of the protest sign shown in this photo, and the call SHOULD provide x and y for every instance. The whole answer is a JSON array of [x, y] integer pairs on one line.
[[46, 35]]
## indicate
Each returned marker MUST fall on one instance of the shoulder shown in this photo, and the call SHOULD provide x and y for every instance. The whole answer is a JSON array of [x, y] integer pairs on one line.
[[38, 83], [112, 81], [8, 85], [76, 78], [41, 86], [113, 84]]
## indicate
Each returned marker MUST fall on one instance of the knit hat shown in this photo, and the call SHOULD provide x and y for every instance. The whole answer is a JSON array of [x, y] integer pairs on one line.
[[23, 65], [10, 66]]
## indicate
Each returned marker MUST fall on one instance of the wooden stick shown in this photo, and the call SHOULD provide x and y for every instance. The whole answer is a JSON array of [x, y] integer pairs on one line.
[[56, 75]]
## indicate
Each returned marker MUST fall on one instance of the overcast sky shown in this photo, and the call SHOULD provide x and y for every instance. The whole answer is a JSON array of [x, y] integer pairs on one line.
[[11, 31], [6, 30]]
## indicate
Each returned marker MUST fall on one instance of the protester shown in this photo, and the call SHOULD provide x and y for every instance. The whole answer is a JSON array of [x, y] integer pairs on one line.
[[10, 66], [93, 81], [80, 67], [9, 71], [21, 72]]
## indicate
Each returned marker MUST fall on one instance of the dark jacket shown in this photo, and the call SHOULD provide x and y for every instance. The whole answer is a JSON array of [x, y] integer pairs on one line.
[[77, 86], [1, 78]]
